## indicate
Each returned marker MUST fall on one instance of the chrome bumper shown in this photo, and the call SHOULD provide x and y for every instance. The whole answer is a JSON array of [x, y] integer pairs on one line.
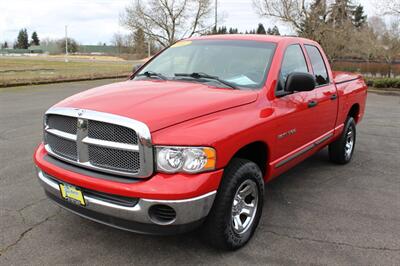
[[188, 211]]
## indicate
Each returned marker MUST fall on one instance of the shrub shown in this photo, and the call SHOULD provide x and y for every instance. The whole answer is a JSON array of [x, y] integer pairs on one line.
[[369, 81], [397, 84], [375, 69], [380, 83], [384, 82]]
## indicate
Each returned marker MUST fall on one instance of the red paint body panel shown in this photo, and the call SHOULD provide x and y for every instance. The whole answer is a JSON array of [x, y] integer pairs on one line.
[[192, 114], [158, 103]]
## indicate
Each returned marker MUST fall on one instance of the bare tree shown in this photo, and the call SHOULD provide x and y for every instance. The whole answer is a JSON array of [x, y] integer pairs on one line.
[[388, 7], [390, 40], [166, 21], [118, 40], [290, 11]]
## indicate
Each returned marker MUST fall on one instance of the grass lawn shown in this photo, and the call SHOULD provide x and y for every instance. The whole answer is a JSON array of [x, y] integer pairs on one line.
[[21, 71]]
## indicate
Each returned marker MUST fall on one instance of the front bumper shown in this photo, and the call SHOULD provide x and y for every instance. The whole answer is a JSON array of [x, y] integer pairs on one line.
[[189, 212]]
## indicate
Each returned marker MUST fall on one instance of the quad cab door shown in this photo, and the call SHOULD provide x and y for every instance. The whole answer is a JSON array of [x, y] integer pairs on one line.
[[326, 97], [296, 119]]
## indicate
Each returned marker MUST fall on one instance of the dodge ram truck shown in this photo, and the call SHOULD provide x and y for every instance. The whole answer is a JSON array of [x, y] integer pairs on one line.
[[190, 139]]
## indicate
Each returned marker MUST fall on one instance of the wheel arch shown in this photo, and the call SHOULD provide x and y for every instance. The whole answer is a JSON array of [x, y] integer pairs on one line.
[[354, 112], [257, 152]]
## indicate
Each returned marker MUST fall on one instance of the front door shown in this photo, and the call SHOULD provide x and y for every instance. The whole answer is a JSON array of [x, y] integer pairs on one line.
[[296, 122]]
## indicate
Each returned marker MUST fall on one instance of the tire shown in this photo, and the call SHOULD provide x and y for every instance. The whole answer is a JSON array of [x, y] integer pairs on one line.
[[225, 228], [341, 151]]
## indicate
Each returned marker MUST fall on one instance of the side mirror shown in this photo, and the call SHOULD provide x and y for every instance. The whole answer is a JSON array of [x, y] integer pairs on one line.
[[136, 68], [298, 81]]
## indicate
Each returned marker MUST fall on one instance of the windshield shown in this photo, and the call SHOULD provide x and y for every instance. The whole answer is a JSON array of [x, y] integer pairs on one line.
[[241, 63]]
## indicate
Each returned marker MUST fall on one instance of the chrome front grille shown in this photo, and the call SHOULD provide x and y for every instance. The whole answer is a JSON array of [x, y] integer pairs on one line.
[[100, 141]]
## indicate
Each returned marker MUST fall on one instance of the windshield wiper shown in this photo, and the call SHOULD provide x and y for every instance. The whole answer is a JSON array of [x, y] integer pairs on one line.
[[201, 75], [150, 74]]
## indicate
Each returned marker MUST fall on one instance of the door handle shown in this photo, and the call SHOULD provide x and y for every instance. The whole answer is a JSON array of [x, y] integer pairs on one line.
[[312, 104], [333, 97]]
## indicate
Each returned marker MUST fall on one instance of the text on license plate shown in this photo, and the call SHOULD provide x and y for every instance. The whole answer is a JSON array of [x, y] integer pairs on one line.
[[72, 194]]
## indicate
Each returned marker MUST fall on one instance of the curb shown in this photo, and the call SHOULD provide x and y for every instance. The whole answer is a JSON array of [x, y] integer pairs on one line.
[[384, 91]]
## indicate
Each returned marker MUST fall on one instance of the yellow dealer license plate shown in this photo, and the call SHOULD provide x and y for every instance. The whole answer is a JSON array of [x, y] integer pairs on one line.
[[72, 194]]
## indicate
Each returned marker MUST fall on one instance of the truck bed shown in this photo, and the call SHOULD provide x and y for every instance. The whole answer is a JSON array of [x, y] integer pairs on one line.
[[341, 77], [351, 90]]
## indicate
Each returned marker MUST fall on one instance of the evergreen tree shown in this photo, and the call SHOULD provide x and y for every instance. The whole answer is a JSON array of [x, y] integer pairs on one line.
[[273, 31], [261, 29], [35, 39], [222, 30], [22, 39], [233, 31], [140, 46], [340, 12], [358, 18], [316, 19], [4, 45]]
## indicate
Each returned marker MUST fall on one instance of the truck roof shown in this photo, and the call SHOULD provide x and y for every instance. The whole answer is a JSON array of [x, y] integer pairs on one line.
[[251, 37]]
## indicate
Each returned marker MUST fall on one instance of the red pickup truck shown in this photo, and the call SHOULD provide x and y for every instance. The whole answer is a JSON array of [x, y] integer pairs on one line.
[[195, 133]]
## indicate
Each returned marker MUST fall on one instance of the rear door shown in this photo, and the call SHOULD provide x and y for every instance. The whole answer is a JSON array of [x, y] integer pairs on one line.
[[326, 109]]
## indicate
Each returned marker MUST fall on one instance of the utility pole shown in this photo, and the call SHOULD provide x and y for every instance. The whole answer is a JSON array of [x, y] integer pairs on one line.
[[66, 43], [216, 14], [149, 47]]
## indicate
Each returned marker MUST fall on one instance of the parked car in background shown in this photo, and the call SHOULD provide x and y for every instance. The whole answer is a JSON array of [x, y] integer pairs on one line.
[[192, 137]]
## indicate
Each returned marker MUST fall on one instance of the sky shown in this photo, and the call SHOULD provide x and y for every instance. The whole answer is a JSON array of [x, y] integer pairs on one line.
[[95, 21]]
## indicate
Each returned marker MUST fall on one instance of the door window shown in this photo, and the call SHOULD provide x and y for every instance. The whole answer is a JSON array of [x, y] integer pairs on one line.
[[318, 65], [293, 61]]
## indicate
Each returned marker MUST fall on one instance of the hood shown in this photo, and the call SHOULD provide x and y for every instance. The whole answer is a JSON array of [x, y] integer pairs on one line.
[[159, 104]]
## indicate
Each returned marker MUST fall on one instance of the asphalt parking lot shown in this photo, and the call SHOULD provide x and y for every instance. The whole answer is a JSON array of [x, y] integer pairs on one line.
[[317, 213]]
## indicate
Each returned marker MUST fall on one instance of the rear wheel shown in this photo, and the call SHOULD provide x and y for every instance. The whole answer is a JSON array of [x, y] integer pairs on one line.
[[237, 207], [341, 151]]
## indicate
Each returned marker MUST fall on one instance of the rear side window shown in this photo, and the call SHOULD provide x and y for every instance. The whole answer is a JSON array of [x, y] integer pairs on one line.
[[293, 61], [318, 65]]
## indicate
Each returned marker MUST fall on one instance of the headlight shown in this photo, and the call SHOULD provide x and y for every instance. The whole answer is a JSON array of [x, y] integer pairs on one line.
[[185, 159]]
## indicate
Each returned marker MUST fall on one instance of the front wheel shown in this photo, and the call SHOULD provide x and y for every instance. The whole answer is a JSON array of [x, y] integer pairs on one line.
[[237, 207], [341, 151]]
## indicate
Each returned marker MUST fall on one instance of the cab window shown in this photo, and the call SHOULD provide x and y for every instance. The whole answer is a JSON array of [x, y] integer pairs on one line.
[[318, 65], [293, 61]]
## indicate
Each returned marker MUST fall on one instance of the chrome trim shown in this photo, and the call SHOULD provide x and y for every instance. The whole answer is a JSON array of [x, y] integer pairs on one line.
[[323, 139], [110, 144], [144, 145], [304, 150], [60, 134], [294, 156], [187, 210]]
